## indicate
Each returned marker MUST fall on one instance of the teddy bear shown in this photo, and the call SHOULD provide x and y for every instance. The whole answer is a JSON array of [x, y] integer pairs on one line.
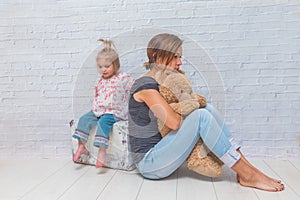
[[177, 90]]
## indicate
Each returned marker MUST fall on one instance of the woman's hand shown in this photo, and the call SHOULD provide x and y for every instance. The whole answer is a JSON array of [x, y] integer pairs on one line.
[[159, 107]]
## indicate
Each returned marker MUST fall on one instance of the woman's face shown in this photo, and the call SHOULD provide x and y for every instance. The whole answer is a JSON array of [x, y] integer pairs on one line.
[[175, 62]]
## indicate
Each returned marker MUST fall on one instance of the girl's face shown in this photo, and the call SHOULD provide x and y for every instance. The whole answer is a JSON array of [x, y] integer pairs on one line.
[[176, 61], [106, 68]]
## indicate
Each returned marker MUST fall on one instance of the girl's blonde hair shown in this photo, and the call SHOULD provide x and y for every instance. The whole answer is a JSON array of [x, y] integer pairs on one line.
[[162, 46], [109, 52]]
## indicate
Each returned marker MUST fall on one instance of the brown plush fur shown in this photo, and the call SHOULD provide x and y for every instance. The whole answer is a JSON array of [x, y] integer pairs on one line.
[[204, 162]]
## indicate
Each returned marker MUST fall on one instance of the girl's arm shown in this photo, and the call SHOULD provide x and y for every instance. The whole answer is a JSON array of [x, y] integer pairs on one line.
[[96, 88], [129, 82], [159, 107], [95, 91]]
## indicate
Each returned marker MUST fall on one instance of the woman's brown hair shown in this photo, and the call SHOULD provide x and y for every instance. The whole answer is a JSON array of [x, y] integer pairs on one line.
[[162, 46], [109, 52]]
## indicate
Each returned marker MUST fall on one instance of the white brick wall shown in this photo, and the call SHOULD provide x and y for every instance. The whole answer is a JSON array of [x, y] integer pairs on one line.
[[254, 46]]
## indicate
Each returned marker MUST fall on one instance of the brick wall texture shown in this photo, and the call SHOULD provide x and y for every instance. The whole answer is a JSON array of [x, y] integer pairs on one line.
[[242, 55]]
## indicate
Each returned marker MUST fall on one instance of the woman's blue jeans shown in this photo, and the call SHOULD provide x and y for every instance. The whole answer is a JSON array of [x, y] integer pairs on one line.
[[169, 153]]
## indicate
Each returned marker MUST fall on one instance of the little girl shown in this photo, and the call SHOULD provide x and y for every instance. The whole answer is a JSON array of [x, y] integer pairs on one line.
[[110, 103]]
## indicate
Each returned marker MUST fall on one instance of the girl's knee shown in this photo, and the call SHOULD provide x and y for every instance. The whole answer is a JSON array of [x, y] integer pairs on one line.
[[88, 117], [103, 120], [106, 119]]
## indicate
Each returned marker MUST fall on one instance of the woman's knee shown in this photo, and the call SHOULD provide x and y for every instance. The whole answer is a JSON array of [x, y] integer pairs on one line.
[[197, 112], [203, 113], [200, 114], [211, 109], [208, 107]]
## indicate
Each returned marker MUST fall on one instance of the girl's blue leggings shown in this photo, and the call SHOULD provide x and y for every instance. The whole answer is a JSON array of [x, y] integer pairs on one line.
[[88, 121]]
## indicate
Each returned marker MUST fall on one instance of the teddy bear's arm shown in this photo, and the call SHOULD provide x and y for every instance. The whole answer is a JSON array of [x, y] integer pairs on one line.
[[185, 107], [201, 100], [167, 94]]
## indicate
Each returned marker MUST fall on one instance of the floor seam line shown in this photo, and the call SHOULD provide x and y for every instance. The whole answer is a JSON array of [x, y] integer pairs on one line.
[[140, 187], [216, 194]]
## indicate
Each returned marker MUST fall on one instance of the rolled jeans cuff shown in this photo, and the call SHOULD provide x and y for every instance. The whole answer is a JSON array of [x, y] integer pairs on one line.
[[81, 135], [230, 157], [235, 143], [101, 141]]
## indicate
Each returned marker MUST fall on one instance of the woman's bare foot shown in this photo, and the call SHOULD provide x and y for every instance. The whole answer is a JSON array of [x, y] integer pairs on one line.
[[273, 179], [80, 150], [101, 157], [243, 157], [262, 182], [249, 176]]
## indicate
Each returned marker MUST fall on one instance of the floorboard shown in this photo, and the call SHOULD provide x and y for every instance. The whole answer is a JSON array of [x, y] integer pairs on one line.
[[62, 179], [124, 185], [296, 164], [18, 176], [191, 185], [55, 185], [89, 185], [159, 189]]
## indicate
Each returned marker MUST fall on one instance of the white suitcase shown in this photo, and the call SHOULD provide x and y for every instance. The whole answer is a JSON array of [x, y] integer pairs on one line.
[[117, 153]]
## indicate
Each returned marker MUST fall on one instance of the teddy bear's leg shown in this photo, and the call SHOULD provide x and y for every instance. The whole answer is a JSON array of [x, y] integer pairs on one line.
[[211, 154], [163, 129], [202, 162]]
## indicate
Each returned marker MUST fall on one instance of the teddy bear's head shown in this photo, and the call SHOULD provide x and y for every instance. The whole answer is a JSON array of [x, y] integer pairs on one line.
[[179, 85], [176, 82]]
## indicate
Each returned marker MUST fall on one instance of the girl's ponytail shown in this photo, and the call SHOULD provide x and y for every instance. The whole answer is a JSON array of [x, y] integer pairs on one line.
[[108, 44]]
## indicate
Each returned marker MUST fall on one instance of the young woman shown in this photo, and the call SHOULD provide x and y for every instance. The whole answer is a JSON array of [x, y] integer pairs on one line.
[[157, 157]]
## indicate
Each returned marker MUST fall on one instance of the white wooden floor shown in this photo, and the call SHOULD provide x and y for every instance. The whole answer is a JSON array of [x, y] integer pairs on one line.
[[44, 179]]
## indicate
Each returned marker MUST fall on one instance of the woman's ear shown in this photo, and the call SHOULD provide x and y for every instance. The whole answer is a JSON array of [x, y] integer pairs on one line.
[[154, 56]]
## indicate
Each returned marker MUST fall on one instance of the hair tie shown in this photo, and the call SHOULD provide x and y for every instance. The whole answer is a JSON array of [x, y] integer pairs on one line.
[[147, 65]]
